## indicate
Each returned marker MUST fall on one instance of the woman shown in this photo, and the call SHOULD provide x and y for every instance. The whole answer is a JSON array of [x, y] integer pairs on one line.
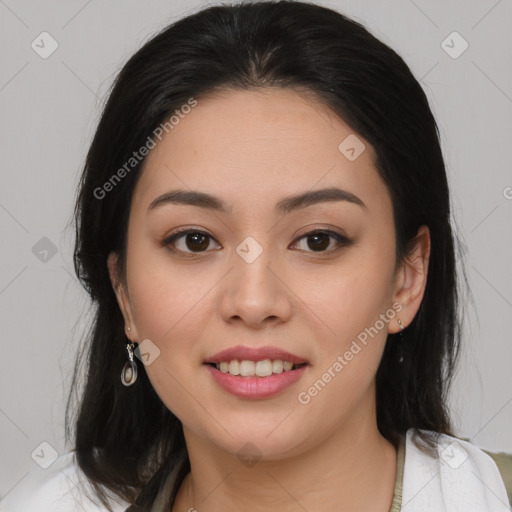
[[263, 223]]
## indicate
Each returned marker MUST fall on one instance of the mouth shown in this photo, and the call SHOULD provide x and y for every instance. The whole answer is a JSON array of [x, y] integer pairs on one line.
[[256, 378], [245, 361], [262, 368]]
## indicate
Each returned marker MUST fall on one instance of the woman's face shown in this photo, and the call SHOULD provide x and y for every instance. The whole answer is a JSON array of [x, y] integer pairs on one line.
[[253, 278]]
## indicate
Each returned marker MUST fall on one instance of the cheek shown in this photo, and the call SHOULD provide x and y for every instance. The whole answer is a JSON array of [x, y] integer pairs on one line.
[[349, 299], [349, 296], [351, 347], [171, 311], [164, 296], [171, 305]]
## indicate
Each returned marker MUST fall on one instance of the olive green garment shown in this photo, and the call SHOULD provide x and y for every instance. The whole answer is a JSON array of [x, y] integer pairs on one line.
[[503, 461]]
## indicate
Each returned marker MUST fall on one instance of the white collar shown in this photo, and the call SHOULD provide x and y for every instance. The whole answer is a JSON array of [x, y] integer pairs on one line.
[[458, 477]]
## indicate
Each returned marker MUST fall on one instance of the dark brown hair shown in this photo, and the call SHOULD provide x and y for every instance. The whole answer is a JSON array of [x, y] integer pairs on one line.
[[126, 439]]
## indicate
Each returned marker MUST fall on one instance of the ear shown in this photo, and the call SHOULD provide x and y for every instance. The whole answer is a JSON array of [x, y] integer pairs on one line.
[[122, 296], [411, 280]]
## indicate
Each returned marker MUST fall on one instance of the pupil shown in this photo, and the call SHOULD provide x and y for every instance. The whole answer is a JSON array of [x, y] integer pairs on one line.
[[194, 237], [320, 246]]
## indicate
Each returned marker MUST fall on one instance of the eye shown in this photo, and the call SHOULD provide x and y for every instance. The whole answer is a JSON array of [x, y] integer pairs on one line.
[[319, 240], [195, 241], [189, 240]]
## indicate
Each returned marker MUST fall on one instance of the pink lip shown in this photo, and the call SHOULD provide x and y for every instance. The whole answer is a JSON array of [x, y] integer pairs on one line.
[[242, 352], [256, 387]]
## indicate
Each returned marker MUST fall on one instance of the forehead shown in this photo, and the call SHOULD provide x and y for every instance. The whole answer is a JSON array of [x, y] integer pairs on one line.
[[256, 146]]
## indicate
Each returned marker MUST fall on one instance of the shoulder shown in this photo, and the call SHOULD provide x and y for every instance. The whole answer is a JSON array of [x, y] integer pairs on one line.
[[62, 487], [504, 463], [460, 464]]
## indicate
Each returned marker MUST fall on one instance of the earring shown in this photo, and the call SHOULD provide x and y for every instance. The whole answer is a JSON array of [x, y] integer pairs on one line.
[[401, 348], [129, 372]]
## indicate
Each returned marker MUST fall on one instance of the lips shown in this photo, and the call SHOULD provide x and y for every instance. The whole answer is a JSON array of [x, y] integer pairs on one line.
[[241, 353], [255, 373]]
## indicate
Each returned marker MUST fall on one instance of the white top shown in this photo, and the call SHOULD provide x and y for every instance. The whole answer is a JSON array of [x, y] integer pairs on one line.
[[459, 478], [59, 488]]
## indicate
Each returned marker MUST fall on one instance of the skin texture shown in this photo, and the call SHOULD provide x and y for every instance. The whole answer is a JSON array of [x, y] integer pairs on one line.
[[252, 149]]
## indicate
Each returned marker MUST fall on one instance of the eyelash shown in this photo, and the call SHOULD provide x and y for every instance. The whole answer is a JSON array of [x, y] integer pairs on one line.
[[342, 240]]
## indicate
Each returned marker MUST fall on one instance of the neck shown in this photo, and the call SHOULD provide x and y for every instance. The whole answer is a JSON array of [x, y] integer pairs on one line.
[[354, 469]]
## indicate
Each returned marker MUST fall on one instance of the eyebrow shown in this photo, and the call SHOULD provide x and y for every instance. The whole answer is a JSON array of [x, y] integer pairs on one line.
[[284, 206]]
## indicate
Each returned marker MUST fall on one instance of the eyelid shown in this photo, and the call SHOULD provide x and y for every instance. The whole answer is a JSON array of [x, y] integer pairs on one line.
[[175, 235], [342, 239], [308, 230]]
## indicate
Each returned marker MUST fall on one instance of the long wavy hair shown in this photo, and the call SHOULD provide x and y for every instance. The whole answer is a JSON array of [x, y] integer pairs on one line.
[[126, 440]]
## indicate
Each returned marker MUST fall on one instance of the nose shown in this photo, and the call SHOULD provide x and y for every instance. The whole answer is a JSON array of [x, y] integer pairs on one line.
[[255, 293]]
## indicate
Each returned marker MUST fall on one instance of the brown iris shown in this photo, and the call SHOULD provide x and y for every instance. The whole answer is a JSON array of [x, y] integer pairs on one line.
[[321, 243], [197, 241]]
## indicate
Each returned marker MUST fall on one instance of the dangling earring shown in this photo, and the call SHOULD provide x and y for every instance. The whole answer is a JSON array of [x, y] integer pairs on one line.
[[129, 372], [401, 348]]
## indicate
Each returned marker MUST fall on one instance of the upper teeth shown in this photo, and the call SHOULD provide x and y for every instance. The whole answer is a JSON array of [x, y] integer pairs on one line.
[[249, 368]]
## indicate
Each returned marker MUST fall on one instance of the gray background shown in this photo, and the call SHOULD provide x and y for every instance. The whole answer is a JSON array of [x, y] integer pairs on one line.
[[50, 107]]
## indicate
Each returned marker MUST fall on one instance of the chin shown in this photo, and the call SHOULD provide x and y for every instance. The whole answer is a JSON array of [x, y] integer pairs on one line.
[[254, 437]]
